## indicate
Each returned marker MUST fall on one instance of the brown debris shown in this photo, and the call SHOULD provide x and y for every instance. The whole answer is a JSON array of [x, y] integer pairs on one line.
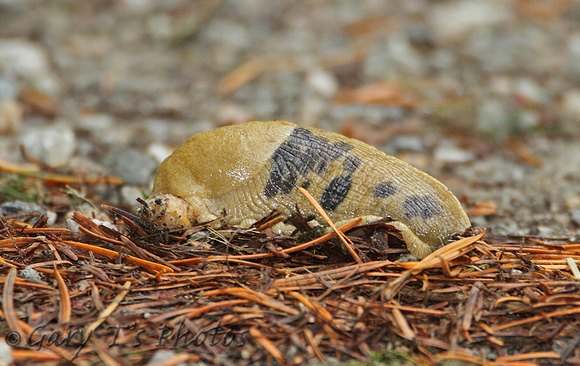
[[381, 93], [117, 296], [255, 67]]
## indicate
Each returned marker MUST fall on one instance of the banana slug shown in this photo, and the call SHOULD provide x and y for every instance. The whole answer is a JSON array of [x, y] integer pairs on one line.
[[243, 172]]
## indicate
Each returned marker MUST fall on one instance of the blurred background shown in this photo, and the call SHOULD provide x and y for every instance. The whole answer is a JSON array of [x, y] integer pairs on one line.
[[482, 94]]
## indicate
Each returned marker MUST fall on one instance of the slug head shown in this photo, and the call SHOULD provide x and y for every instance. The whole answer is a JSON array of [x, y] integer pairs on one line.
[[167, 211]]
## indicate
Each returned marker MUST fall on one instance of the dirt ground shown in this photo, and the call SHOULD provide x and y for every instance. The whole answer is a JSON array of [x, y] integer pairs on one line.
[[482, 94]]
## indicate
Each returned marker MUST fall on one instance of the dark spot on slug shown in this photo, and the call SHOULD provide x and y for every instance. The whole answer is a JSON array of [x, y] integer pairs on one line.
[[384, 190], [351, 163], [340, 148], [301, 154], [335, 192], [425, 206]]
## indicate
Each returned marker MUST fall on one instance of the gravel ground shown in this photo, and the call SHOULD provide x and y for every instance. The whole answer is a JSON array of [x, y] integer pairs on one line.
[[483, 94]]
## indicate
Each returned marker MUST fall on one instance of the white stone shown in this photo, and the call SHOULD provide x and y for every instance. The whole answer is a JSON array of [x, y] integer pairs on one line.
[[571, 104], [446, 153], [25, 61], [159, 151], [5, 353], [451, 20], [130, 195], [530, 90], [54, 145], [322, 82]]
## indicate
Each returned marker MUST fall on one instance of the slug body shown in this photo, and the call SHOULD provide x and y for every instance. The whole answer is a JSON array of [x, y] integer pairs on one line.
[[241, 173]]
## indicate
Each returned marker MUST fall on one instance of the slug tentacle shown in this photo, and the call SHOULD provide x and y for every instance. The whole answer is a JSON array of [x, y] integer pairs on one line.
[[248, 170]]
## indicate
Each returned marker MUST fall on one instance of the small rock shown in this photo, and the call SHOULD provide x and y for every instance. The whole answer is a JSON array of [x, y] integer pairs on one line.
[[130, 195], [172, 102], [498, 171], [10, 111], [53, 145], [502, 86], [30, 274], [531, 91], [87, 210], [74, 226], [519, 51], [161, 356], [8, 90], [571, 106], [311, 110], [87, 167], [451, 154], [10, 116], [393, 57], [21, 207], [231, 113], [572, 201], [160, 26], [576, 216], [101, 127], [5, 353], [322, 82], [405, 143], [25, 61], [138, 6], [132, 166], [526, 120], [573, 65], [451, 20], [493, 118], [159, 151], [96, 124]]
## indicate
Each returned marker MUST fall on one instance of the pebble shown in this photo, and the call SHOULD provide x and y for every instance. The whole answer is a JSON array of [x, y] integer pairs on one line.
[[576, 216], [370, 114], [6, 358], [10, 111], [404, 143], [20, 207], [53, 144], [451, 20], [322, 82], [493, 118], [531, 91], [447, 153], [25, 61], [99, 126], [311, 110], [497, 171], [161, 356], [10, 116], [133, 166], [138, 6], [232, 113], [526, 120], [159, 151], [393, 57], [521, 50], [30, 274], [571, 107], [500, 120], [129, 194], [8, 90], [573, 48], [74, 226]]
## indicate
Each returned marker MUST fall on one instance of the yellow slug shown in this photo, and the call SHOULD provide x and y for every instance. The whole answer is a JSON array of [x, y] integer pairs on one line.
[[243, 172]]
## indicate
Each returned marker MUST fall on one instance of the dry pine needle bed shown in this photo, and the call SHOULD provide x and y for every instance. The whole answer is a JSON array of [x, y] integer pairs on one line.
[[118, 294]]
